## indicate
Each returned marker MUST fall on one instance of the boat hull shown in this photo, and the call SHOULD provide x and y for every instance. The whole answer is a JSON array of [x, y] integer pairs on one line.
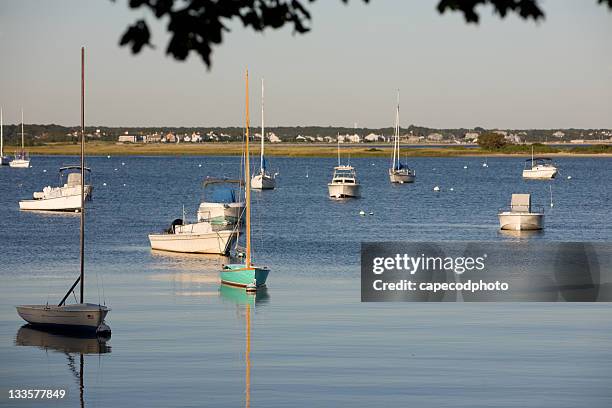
[[540, 174], [85, 316], [217, 242], [63, 203], [220, 213], [263, 182], [401, 177], [521, 221], [241, 276], [19, 164], [344, 190]]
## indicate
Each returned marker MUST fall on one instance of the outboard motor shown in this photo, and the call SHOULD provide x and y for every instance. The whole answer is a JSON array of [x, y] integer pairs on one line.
[[176, 222]]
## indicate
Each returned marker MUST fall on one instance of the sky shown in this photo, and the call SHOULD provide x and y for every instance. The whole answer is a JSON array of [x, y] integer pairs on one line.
[[499, 74]]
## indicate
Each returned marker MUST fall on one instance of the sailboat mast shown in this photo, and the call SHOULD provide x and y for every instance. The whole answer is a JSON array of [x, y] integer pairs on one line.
[[338, 140], [263, 131], [82, 237], [247, 178], [1, 136], [21, 129]]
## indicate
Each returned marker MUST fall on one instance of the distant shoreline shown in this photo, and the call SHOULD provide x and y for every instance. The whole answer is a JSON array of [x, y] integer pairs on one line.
[[279, 150]]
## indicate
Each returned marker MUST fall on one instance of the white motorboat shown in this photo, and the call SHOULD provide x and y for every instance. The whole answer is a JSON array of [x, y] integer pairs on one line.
[[4, 160], [399, 172], [197, 238], [221, 204], [66, 197], [344, 181], [521, 217], [263, 180], [539, 168], [22, 159], [80, 316]]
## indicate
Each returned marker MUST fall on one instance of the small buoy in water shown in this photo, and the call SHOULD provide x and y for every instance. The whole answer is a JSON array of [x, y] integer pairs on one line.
[[45, 170], [371, 213], [452, 189], [115, 169], [108, 157], [104, 184], [373, 164], [485, 165], [123, 184], [465, 167], [569, 177], [436, 188], [362, 213], [123, 163], [199, 165]]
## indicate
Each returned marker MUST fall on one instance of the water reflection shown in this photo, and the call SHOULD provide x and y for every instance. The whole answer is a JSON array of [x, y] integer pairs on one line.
[[522, 234], [245, 302], [71, 344]]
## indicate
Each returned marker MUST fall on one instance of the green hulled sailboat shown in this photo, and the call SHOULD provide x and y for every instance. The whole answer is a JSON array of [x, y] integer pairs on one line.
[[246, 275]]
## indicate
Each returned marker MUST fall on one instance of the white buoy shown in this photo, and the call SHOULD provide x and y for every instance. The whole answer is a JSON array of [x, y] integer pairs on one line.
[[551, 200], [436, 188], [362, 213], [108, 157], [123, 184], [123, 163], [116, 169], [371, 213], [199, 165], [569, 177], [465, 167], [452, 189], [45, 170], [104, 184]]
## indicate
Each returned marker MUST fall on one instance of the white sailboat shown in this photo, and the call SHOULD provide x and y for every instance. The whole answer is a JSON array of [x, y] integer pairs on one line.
[[80, 316], [263, 180], [65, 197], [4, 160], [539, 168], [399, 172], [344, 181], [22, 159]]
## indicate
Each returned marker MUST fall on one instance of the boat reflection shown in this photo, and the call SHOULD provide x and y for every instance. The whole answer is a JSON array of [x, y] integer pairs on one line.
[[522, 234], [245, 302], [72, 345]]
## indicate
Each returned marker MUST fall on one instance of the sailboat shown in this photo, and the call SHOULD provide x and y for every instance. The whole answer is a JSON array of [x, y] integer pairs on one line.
[[399, 173], [4, 160], [246, 275], [22, 159], [263, 180], [539, 168], [79, 316]]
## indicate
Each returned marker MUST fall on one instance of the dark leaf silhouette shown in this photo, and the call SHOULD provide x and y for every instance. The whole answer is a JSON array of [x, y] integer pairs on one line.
[[198, 25]]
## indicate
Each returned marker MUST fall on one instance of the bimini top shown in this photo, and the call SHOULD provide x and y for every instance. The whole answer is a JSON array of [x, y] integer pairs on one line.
[[539, 158], [73, 167], [212, 180]]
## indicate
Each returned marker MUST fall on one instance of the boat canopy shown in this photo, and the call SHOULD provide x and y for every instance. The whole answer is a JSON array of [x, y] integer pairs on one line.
[[399, 166], [539, 158], [224, 195], [73, 167]]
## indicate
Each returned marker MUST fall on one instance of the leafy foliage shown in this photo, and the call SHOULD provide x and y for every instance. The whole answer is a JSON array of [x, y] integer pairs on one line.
[[199, 25], [491, 141]]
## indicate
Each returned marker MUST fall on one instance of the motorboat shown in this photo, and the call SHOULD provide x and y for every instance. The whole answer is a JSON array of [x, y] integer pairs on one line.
[[399, 172], [221, 204], [196, 238], [344, 181], [246, 275], [539, 168], [66, 197], [521, 216], [22, 159], [80, 316], [263, 180]]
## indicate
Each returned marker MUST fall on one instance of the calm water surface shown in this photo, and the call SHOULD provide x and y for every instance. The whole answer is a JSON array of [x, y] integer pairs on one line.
[[178, 340]]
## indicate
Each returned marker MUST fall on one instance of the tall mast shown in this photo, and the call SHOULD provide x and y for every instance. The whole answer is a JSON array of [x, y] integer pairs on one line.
[[1, 136], [21, 129], [397, 130], [82, 238], [263, 131], [338, 140], [247, 178]]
